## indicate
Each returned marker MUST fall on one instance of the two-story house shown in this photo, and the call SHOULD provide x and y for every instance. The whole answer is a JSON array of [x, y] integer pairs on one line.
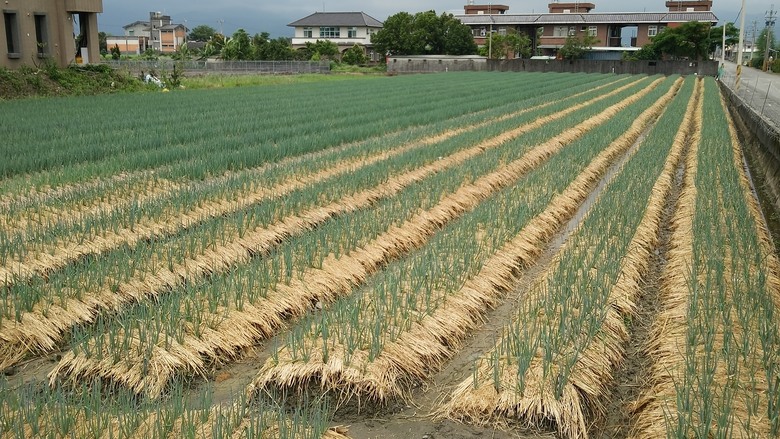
[[159, 33], [44, 29], [345, 29], [616, 32]]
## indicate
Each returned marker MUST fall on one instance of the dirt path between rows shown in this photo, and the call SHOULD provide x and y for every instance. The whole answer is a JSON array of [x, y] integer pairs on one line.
[[631, 377], [416, 419]]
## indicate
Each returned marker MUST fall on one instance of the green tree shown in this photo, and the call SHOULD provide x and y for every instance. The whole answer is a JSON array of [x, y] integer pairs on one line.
[[115, 53], [278, 49], [183, 53], [575, 47], [396, 36], [646, 53], [238, 47], [258, 44], [202, 32], [761, 45], [103, 45], [214, 45], [458, 39], [511, 45], [424, 33], [355, 55], [690, 40], [716, 36], [323, 49]]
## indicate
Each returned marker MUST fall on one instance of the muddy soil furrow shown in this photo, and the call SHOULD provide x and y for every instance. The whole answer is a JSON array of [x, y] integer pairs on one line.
[[631, 377]]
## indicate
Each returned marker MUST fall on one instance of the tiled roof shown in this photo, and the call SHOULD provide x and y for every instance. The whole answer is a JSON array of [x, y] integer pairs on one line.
[[590, 18], [337, 19], [136, 23]]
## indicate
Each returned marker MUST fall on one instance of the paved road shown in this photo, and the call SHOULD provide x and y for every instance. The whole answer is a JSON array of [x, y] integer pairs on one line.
[[758, 89]]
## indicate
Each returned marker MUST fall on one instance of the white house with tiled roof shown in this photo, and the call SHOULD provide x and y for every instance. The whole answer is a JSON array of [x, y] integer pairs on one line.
[[345, 29], [548, 31]]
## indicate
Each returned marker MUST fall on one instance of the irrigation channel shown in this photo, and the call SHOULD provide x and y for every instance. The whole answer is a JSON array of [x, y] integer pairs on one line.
[[583, 256]]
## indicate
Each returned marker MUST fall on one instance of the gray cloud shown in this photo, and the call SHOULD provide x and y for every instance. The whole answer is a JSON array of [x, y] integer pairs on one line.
[[273, 16]]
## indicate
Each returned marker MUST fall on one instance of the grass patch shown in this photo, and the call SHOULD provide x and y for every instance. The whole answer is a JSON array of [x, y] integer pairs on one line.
[[50, 80], [229, 81]]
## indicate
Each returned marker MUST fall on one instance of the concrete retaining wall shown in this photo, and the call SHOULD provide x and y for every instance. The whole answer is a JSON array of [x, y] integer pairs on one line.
[[436, 64], [707, 68], [766, 133]]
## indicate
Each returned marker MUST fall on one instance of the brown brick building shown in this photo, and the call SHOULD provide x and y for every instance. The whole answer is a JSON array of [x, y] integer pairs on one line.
[[616, 32], [34, 30]]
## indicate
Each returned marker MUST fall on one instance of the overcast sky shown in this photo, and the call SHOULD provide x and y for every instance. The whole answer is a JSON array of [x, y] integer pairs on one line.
[[273, 16]]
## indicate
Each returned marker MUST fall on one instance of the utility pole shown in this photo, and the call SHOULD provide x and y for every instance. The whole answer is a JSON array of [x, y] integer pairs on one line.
[[740, 46], [490, 35], [753, 39], [770, 24]]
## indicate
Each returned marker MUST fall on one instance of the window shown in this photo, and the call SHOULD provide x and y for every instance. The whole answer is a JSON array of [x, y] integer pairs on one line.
[[560, 31], [307, 32], [11, 21], [330, 32], [652, 30], [592, 31], [352, 32], [502, 31], [572, 31], [41, 35]]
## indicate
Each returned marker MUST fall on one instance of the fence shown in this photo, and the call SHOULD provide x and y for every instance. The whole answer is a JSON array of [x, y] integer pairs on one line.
[[757, 92], [222, 67]]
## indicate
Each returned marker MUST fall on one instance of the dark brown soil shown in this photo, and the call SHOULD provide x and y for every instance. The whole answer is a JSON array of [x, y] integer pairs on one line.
[[631, 378]]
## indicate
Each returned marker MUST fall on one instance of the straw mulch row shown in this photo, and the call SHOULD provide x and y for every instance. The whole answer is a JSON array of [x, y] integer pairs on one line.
[[739, 391], [43, 328], [335, 278], [768, 250], [541, 402], [437, 337], [46, 216], [239, 420], [65, 251], [673, 351], [32, 195]]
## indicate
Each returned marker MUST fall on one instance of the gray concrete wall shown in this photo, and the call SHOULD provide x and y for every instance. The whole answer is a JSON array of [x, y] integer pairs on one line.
[[761, 144], [707, 68], [765, 132], [436, 64]]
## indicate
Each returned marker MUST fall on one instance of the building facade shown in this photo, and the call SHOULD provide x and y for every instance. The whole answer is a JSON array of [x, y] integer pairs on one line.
[[548, 31], [159, 33], [345, 29], [36, 30]]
